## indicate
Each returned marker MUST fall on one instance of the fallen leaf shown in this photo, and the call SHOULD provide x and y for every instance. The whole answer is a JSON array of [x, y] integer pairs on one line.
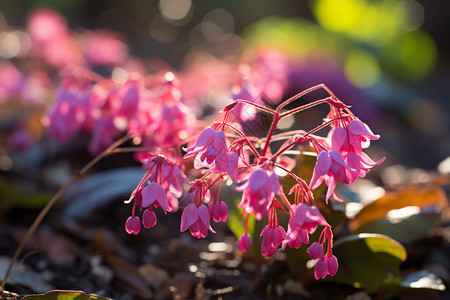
[[410, 196]]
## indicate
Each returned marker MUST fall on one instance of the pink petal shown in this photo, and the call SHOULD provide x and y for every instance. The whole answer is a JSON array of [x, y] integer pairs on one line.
[[204, 138], [223, 211], [150, 193], [245, 242], [337, 157], [323, 163], [162, 198], [338, 138], [189, 216], [366, 160], [149, 218], [257, 180], [359, 128], [204, 216], [274, 183], [321, 269], [232, 166], [354, 163], [133, 225], [315, 251], [331, 182], [333, 265]]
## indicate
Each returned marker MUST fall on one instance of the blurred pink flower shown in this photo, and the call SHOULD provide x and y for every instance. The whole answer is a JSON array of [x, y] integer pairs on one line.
[[245, 242], [104, 48]]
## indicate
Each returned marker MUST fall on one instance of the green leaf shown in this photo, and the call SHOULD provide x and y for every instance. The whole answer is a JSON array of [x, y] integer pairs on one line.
[[423, 280], [369, 261], [65, 295]]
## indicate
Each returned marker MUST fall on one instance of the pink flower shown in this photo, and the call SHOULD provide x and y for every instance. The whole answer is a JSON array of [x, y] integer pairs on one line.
[[168, 174], [331, 168], [211, 150], [303, 221], [272, 237], [354, 138], [133, 225], [245, 242], [154, 194], [104, 48], [218, 211], [349, 142], [258, 192], [149, 218], [233, 166], [197, 219], [245, 112], [325, 264]]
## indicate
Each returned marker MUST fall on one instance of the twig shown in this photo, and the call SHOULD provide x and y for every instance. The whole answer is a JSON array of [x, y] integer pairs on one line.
[[54, 199]]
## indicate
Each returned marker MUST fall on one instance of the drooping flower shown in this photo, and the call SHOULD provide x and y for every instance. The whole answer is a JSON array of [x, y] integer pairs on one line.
[[259, 189], [331, 168], [303, 221], [272, 237], [218, 211], [154, 194], [149, 218], [197, 220], [326, 264], [211, 150], [133, 225], [245, 242]]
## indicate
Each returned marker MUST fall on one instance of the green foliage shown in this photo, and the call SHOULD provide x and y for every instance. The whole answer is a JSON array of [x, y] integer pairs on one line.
[[369, 261], [65, 295]]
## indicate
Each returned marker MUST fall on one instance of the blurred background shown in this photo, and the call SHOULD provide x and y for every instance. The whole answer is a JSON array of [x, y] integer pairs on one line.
[[392, 55]]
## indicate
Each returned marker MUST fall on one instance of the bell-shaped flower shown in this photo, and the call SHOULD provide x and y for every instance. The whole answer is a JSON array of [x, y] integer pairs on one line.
[[245, 242], [218, 211], [133, 225], [259, 189], [331, 168], [149, 218], [211, 150], [272, 237], [197, 220], [325, 265], [303, 221], [154, 194]]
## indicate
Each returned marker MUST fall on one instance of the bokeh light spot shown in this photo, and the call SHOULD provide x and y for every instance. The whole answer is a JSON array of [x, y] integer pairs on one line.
[[362, 69], [175, 9]]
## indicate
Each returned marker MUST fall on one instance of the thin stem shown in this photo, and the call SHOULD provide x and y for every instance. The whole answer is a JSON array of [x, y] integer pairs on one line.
[[286, 201], [252, 147], [275, 121], [302, 93], [260, 107], [303, 107], [302, 139], [54, 199]]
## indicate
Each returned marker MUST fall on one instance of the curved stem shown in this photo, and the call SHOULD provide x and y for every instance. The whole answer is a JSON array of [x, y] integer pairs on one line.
[[303, 107], [260, 107], [252, 147], [54, 199], [302, 93]]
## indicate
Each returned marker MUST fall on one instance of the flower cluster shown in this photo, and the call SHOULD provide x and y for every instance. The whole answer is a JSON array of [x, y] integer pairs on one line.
[[161, 113], [253, 163], [105, 109]]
